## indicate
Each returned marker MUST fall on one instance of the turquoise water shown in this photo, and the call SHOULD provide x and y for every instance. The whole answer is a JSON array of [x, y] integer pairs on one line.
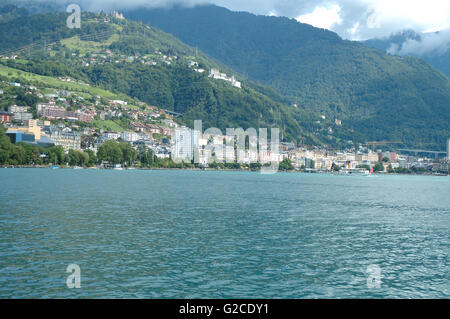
[[196, 234]]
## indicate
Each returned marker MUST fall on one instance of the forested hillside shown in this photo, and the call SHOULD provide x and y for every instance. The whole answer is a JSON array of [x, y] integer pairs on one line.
[[439, 57], [377, 96], [145, 63]]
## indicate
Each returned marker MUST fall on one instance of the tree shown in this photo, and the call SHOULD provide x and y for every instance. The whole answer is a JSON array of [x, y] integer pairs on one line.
[[286, 165], [32, 154], [129, 154], [111, 152], [146, 157], [92, 158], [18, 156], [55, 155], [73, 158], [5, 146], [379, 167]]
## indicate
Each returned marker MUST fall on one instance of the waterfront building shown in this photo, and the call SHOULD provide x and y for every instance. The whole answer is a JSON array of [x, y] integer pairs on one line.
[[184, 142], [31, 127], [17, 136], [66, 139]]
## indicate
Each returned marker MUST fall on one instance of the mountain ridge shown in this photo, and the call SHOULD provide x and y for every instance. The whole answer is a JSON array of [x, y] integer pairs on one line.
[[378, 96]]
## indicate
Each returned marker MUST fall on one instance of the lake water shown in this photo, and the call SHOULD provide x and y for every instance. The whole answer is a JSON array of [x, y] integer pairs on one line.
[[197, 234]]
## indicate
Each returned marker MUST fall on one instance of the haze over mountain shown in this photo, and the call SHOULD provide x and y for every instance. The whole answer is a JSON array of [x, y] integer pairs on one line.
[[375, 94], [433, 47]]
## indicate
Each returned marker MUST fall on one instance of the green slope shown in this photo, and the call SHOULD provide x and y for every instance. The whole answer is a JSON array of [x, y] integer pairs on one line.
[[174, 87], [439, 57], [377, 96]]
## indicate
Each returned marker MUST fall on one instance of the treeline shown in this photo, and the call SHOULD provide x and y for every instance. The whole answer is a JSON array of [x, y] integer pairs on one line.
[[110, 152], [285, 165]]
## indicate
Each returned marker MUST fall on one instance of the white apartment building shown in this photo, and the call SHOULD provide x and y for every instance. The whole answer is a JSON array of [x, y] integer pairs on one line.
[[110, 136], [129, 136], [184, 142]]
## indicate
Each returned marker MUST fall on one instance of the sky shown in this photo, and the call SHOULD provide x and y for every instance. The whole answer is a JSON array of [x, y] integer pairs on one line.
[[351, 19]]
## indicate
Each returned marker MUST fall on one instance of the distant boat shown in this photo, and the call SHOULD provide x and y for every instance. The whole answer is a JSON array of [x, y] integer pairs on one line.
[[77, 167], [354, 172], [54, 167], [118, 167]]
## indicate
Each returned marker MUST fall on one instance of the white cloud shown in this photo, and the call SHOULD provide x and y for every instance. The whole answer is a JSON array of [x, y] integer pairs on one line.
[[378, 18], [438, 43], [322, 17], [351, 19]]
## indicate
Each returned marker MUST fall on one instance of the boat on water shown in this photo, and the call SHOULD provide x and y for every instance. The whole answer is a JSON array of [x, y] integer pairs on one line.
[[77, 167], [354, 172], [54, 167], [118, 167]]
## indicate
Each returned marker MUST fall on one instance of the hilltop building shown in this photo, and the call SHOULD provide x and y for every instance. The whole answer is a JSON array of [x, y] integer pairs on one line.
[[117, 15], [217, 75]]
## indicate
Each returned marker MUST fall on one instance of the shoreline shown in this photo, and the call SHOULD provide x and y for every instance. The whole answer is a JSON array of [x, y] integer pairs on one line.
[[218, 170]]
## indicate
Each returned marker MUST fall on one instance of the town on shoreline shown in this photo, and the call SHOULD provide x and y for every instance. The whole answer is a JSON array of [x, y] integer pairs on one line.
[[91, 136], [38, 143], [62, 127]]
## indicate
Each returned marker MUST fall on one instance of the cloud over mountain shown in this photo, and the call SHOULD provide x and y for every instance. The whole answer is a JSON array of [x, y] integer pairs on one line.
[[437, 43], [351, 19]]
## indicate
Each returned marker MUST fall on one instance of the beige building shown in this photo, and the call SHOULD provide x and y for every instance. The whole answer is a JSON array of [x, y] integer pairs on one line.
[[31, 127], [68, 140]]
